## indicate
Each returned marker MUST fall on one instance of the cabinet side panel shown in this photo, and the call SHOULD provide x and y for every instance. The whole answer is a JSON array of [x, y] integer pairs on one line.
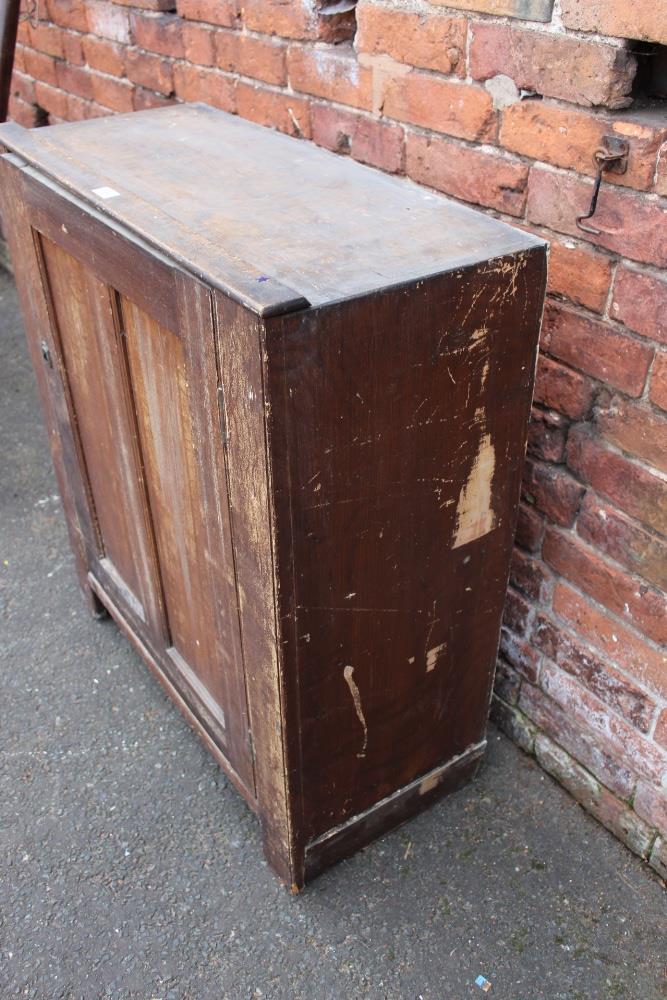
[[240, 339], [397, 460]]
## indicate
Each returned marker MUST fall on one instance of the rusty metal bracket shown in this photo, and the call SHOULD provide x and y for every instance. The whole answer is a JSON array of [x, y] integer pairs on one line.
[[611, 156]]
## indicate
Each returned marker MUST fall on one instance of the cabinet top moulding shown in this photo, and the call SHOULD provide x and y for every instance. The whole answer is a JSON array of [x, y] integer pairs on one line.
[[274, 222]]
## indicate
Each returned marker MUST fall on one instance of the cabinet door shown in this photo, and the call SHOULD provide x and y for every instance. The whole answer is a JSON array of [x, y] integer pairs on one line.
[[131, 343]]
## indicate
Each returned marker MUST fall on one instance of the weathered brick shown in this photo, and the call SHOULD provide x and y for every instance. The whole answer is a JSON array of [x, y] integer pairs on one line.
[[629, 224], [221, 12], [68, 14], [333, 74], [514, 724], [577, 740], [658, 387], [529, 528], [143, 99], [378, 143], [436, 42], [295, 19], [597, 349], [159, 33], [105, 56], [474, 175], [153, 5], [286, 112], [516, 613], [530, 10], [198, 44], [636, 429], [660, 734], [75, 80], [553, 491], [620, 644], [661, 173], [609, 684], [260, 58], [111, 92], [566, 137], [618, 18], [658, 859], [506, 682], [530, 576], [594, 797], [546, 435], [626, 595], [191, 83], [554, 65], [562, 389], [640, 302], [108, 21], [72, 48], [579, 274], [612, 733], [442, 105], [23, 87], [78, 109], [21, 112], [41, 67], [651, 804], [19, 58], [520, 654], [51, 99], [628, 485], [46, 38], [153, 72], [624, 540]]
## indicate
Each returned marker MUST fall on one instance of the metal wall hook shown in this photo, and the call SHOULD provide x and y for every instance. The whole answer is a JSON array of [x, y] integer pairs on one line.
[[612, 156]]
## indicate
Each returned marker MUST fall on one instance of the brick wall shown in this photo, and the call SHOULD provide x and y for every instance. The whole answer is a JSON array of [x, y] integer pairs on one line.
[[499, 103]]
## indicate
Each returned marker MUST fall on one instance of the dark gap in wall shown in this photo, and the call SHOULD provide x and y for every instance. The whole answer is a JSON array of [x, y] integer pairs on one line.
[[41, 116], [649, 88], [338, 19]]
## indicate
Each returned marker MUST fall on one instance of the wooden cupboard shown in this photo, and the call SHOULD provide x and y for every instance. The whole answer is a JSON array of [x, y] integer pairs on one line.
[[287, 400]]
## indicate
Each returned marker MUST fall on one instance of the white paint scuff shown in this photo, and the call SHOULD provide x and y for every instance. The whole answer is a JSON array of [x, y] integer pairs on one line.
[[348, 674]]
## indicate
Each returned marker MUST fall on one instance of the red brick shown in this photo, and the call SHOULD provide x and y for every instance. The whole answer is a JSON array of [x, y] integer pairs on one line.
[[636, 429], [651, 805], [79, 109], [333, 74], [287, 18], [46, 38], [22, 113], [160, 34], [51, 99], [153, 5], [517, 613], [614, 735], [143, 99], [661, 173], [566, 137], [553, 491], [629, 486], [628, 597], [75, 80], [41, 67], [112, 93], [442, 105], [72, 48], [198, 44], [609, 684], [67, 14], [529, 528], [430, 41], [578, 274], [530, 576], [532, 10], [221, 12], [105, 56], [19, 58], [366, 139], [562, 389], [520, 654], [194, 84], [259, 58], [640, 302], [624, 540], [660, 734], [474, 175], [623, 646], [108, 21], [607, 809], [629, 223], [152, 72], [546, 435], [23, 87], [621, 18], [554, 65], [577, 740], [598, 350], [286, 112], [658, 387]]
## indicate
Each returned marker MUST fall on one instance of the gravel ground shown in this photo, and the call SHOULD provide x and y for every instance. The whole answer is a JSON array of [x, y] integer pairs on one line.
[[130, 868]]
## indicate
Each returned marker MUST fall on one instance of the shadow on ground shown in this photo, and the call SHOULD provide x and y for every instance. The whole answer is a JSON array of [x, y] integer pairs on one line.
[[132, 869]]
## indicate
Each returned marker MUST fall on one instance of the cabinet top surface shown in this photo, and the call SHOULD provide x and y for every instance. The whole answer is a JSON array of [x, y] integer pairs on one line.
[[275, 221]]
